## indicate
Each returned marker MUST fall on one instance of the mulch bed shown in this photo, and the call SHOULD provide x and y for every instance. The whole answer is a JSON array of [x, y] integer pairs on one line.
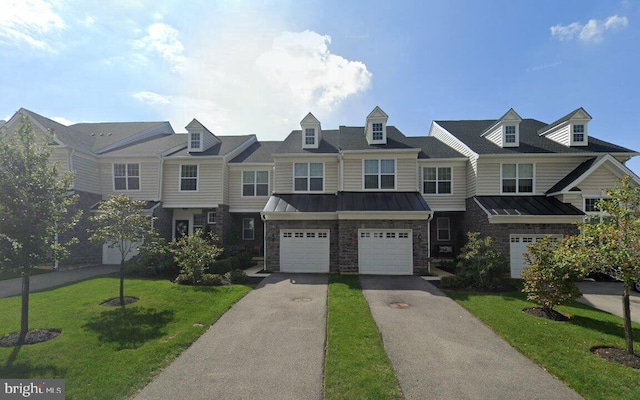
[[115, 302], [550, 314], [33, 337], [618, 356]]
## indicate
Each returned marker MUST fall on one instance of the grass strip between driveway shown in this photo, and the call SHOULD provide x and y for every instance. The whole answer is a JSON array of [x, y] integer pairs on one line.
[[562, 348], [356, 364], [109, 352]]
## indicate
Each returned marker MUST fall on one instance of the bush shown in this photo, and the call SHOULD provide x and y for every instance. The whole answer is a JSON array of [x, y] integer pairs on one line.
[[153, 260], [194, 253], [239, 261], [548, 281], [455, 282], [211, 280], [236, 276], [480, 263], [184, 279]]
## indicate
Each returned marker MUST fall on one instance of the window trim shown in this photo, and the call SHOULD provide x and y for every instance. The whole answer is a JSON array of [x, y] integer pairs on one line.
[[200, 140], [126, 176], [516, 141], [438, 229], [383, 139], [180, 177], [312, 137], [255, 183], [253, 229], [395, 174], [437, 181], [574, 133], [209, 220], [193, 222], [517, 192], [308, 177]]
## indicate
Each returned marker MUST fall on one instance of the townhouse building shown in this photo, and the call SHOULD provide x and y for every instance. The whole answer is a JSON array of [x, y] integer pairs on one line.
[[353, 199]]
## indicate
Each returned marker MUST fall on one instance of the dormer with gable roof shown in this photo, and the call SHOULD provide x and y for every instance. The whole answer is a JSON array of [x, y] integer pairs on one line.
[[200, 138], [311, 132], [570, 130], [505, 132], [375, 129]]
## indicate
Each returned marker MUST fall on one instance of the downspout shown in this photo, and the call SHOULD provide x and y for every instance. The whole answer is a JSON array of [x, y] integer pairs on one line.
[[429, 242], [264, 241], [340, 171], [160, 179]]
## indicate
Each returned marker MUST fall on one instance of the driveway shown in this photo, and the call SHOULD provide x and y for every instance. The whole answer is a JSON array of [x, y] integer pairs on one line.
[[607, 296], [268, 346], [440, 351]]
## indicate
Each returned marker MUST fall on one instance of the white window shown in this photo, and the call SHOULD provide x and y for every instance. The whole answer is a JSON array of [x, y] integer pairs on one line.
[[195, 141], [198, 221], [126, 176], [188, 178], [310, 136], [436, 180], [308, 177], [255, 183], [211, 217], [444, 229], [379, 174], [578, 133], [377, 131], [510, 134], [248, 229], [517, 178]]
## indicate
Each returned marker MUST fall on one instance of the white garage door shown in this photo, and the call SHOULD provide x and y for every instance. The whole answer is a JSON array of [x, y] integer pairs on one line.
[[520, 245], [385, 251], [111, 255], [304, 250]]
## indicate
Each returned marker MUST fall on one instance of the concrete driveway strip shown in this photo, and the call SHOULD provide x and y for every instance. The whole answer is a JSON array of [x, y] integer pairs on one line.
[[270, 345], [607, 296], [440, 351]]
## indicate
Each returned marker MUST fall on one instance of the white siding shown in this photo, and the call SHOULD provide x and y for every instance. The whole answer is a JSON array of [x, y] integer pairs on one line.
[[149, 177], [495, 135], [210, 184], [574, 199], [405, 170], [86, 173], [472, 167], [456, 200], [562, 135], [598, 182], [284, 173], [236, 201]]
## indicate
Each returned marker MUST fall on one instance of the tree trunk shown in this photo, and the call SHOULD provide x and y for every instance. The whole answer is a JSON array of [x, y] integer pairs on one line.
[[628, 331], [122, 282], [24, 323]]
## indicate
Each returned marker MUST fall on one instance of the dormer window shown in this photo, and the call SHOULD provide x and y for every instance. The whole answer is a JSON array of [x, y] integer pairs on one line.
[[311, 132], [578, 133], [377, 132], [510, 134], [376, 127], [309, 136], [195, 141]]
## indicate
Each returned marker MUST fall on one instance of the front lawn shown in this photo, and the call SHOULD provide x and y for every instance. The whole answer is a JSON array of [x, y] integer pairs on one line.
[[356, 364], [562, 348], [107, 352]]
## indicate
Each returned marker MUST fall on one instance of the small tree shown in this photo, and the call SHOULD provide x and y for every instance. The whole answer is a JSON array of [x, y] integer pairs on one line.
[[195, 253], [480, 263], [121, 223], [549, 280], [34, 206], [610, 243]]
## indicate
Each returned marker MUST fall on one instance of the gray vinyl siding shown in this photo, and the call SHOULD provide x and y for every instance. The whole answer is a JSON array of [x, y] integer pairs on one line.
[[149, 178], [86, 173], [447, 202], [60, 156], [284, 173], [208, 140], [236, 200], [210, 184]]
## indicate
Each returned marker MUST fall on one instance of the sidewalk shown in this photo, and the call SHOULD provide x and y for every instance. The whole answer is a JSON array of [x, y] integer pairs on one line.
[[13, 287], [440, 351]]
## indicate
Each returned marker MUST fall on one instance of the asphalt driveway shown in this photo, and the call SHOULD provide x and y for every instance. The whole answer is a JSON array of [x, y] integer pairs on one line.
[[440, 351], [607, 296], [268, 346]]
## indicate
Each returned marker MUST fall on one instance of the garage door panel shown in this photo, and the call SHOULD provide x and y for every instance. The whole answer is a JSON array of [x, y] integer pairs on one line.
[[518, 246], [388, 252], [304, 250]]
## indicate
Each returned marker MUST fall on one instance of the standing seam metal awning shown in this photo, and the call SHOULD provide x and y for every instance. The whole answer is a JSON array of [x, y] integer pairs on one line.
[[347, 201]]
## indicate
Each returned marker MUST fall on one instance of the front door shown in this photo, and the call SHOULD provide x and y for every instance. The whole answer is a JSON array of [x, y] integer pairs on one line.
[[182, 228]]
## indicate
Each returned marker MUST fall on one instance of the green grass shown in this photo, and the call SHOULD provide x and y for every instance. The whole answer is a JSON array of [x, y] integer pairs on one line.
[[562, 348], [110, 353], [356, 364], [11, 273]]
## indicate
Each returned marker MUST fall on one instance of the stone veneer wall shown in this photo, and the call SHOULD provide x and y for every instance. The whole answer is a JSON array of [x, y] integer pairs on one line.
[[476, 220], [458, 232], [84, 252], [348, 244], [272, 232], [164, 222], [224, 220]]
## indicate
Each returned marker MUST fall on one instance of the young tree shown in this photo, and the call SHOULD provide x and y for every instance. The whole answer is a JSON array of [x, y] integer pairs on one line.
[[34, 204], [609, 243], [121, 223], [194, 253]]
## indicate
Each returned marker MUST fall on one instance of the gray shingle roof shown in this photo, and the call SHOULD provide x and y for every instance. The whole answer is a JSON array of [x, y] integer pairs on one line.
[[573, 175], [352, 138], [104, 134], [293, 143], [152, 146], [431, 147], [561, 120], [259, 152], [530, 142], [526, 206], [227, 144]]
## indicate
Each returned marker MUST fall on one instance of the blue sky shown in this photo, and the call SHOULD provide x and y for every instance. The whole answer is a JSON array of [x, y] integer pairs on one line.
[[258, 67]]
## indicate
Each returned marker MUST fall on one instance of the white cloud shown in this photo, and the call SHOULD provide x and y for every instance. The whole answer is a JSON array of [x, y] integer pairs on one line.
[[63, 121], [29, 22], [151, 98], [591, 32], [164, 40]]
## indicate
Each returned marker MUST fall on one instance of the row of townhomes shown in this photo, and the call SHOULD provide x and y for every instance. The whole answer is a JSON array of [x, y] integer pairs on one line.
[[356, 199]]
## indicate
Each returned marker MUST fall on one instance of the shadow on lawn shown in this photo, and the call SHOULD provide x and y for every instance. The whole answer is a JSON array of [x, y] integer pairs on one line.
[[130, 327], [22, 370]]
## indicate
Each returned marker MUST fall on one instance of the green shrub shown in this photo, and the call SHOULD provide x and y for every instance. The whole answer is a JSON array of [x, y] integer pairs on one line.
[[184, 279], [481, 263], [211, 280], [194, 253], [455, 282], [548, 280], [154, 259], [236, 276]]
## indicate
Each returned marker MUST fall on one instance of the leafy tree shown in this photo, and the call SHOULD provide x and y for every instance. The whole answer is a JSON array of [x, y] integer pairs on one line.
[[194, 254], [480, 264], [121, 223], [609, 243], [34, 206], [549, 280]]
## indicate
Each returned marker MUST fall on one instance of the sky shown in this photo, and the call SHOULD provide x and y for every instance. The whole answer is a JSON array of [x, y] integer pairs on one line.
[[258, 67]]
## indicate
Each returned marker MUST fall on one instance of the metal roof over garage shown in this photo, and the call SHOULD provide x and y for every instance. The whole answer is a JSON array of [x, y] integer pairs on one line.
[[347, 201], [525, 206]]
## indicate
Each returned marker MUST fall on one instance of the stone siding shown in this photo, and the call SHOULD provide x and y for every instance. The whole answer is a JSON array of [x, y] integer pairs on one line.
[[164, 222], [458, 232], [84, 252]]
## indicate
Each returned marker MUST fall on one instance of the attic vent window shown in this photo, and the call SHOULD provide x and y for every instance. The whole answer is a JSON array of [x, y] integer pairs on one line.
[[376, 131], [578, 133], [310, 136], [510, 134]]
